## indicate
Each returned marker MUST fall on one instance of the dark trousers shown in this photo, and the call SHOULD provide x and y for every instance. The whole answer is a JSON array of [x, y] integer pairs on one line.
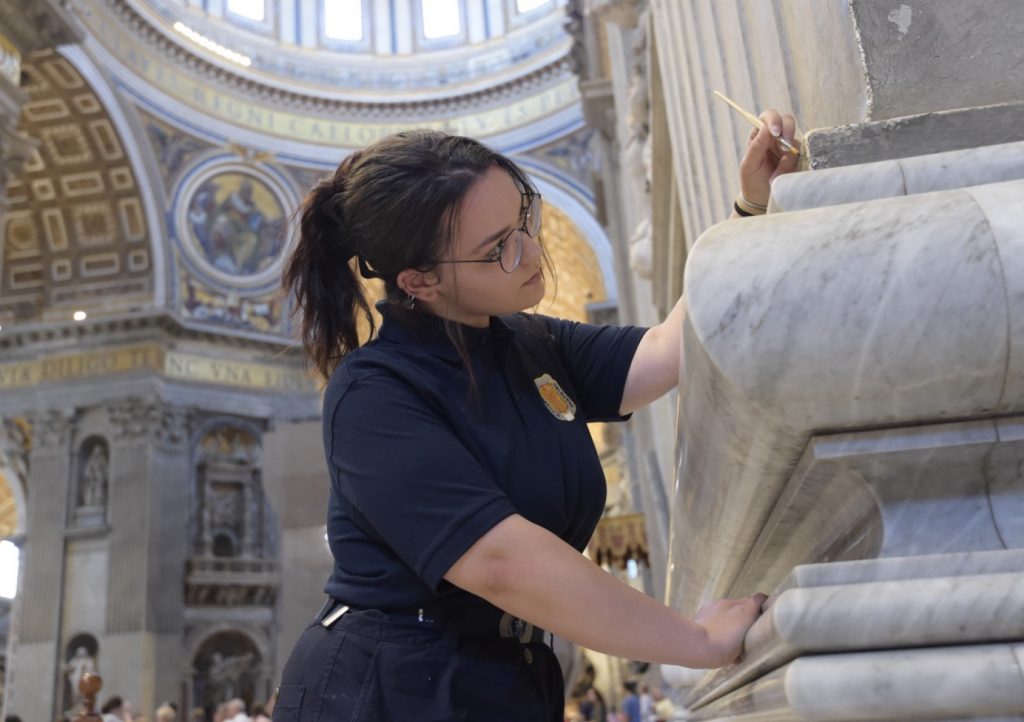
[[372, 667]]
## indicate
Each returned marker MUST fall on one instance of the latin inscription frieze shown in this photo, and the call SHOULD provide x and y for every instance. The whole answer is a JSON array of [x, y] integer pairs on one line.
[[156, 359]]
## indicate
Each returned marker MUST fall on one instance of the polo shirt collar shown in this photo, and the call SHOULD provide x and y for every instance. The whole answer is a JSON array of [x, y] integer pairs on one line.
[[428, 333]]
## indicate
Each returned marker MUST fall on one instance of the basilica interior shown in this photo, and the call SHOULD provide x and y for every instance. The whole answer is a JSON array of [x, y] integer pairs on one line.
[[850, 423]]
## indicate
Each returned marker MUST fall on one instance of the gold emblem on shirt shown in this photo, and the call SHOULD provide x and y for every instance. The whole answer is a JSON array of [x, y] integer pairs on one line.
[[557, 401]]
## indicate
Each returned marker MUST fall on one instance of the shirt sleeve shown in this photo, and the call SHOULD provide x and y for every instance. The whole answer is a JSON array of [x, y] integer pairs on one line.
[[597, 359], [404, 469]]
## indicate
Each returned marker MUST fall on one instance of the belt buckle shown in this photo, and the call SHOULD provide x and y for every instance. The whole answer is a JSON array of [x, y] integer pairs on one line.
[[334, 616], [515, 628]]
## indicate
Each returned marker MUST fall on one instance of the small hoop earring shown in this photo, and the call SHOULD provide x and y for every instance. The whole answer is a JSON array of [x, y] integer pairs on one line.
[[410, 302]]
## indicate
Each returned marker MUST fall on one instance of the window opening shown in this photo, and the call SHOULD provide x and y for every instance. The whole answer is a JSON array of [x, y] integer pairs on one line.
[[252, 9], [343, 19], [441, 18]]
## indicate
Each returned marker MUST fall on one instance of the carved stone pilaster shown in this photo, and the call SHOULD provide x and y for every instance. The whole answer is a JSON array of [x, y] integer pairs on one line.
[[574, 28], [146, 418], [625, 13], [51, 430], [15, 444]]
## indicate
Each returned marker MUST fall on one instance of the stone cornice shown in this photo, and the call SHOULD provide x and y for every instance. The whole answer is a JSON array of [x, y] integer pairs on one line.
[[31, 341], [381, 109]]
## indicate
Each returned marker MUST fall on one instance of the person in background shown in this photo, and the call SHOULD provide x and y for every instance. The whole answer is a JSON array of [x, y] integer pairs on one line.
[[165, 713], [631, 703], [663, 707], [116, 709], [646, 704], [234, 711]]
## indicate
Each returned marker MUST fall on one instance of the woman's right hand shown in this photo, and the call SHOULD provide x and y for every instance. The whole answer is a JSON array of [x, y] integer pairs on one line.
[[726, 622]]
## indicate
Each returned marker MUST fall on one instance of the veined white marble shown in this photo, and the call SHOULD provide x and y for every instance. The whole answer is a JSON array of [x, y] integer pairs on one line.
[[939, 684], [903, 176], [894, 492], [896, 312], [902, 613], [903, 568]]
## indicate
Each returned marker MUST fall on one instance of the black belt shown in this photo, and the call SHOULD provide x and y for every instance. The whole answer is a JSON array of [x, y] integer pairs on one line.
[[464, 620]]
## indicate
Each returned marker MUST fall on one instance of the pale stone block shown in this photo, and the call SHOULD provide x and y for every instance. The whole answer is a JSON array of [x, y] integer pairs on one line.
[[903, 613], [941, 684], [889, 312], [897, 177], [34, 674]]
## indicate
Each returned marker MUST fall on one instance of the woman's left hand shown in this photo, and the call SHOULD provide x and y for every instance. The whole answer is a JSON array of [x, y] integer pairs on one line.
[[765, 158]]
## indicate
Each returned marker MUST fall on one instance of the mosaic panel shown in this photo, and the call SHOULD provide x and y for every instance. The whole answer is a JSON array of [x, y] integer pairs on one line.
[[173, 148], [76, 234], [235, 223]]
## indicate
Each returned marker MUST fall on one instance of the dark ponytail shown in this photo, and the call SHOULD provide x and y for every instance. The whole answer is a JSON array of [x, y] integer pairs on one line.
[[320, 274], [391, 206]]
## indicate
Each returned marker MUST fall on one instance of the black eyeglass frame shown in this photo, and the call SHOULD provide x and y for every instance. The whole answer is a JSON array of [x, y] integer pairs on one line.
[[528, 198]]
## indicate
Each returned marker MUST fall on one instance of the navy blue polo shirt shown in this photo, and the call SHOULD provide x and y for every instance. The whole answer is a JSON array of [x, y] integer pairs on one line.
[[422, 466]]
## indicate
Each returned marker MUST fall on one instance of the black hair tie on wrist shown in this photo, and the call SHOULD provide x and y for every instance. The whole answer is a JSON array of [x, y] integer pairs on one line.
[[736, 207]]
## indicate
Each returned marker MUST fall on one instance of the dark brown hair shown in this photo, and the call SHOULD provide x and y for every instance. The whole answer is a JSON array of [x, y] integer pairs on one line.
[[391, 206]]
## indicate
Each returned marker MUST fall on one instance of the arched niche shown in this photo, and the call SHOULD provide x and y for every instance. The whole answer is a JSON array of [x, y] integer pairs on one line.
[[227, 664], [81, 656], [91, 483]]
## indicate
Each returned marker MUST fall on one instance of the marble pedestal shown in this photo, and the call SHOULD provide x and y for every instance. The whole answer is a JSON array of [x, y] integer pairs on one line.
[[852, 440]]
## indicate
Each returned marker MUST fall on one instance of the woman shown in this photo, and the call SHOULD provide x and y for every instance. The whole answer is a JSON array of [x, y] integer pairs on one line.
[[464, 482]]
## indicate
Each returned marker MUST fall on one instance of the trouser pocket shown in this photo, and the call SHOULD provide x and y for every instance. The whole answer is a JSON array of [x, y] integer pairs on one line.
[[326, 676]]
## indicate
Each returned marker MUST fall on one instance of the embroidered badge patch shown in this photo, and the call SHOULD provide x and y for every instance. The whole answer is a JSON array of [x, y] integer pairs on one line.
[[557, 401]]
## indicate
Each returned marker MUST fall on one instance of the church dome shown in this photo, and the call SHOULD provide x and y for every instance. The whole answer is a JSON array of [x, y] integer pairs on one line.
[[368, 50]]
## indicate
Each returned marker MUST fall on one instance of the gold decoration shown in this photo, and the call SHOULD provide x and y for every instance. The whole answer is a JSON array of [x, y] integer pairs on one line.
[[619, 539]]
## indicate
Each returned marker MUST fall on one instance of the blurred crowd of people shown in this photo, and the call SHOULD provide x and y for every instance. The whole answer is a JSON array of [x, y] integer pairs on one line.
[[118, 709], [638, 704]]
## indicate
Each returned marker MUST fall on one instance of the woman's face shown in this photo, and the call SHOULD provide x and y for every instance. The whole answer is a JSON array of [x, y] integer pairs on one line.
[[472, 292]]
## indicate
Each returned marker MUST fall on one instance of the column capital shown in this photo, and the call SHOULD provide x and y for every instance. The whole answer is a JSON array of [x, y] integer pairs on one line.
[[51, 429], [137, 418], [15, 150], [15, 443], [624, 13]]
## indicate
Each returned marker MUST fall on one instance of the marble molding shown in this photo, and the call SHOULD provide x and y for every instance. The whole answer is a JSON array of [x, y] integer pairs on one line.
[[903, 602], [942, 684], [853, 390], [898, 177], [888, 313]]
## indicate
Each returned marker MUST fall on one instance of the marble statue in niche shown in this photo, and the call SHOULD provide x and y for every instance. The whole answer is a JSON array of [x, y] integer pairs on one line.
[[94, 478], [81, 663], [228, 674], [93, 483], [227, 665], [80, 657]]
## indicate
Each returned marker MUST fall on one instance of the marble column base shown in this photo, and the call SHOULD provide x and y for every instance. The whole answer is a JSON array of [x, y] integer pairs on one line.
[[866, 640], [979, 682]]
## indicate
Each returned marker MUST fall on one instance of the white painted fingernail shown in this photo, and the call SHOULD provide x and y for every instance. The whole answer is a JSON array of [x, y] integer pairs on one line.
[[776, 131]]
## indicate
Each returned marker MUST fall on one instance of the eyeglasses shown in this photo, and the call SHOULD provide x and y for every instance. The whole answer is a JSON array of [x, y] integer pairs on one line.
[[509, 251]]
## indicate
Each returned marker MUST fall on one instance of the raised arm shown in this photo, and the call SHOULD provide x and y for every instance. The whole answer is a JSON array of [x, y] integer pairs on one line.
[[525, 570], [655, 368]]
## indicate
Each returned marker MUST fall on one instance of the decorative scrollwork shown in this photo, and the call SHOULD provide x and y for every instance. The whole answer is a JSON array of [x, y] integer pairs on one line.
[[139, 418]]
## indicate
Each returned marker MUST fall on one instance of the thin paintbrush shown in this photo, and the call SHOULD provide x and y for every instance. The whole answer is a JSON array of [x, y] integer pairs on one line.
[[758, 123]]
